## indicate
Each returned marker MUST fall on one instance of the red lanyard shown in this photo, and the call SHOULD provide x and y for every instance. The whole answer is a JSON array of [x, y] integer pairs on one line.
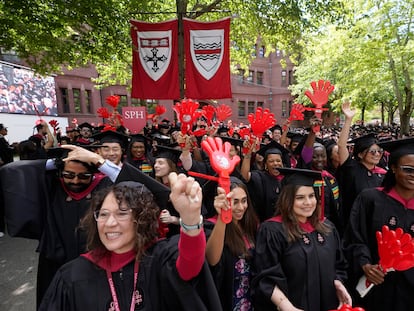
[[113, 292]]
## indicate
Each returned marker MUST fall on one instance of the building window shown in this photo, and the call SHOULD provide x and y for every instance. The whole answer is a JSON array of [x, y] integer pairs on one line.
[[65, 100], [260, 104], [278, 53], [262, 51], [284, 108], [250, 107], [284, 77], [242, 108], [291, 78], [254, 50], [88, 101], [250, 77], [77, 100], [259, 78], [241, 75]]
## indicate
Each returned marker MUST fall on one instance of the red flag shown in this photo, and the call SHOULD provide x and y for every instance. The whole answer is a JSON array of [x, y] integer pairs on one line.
[[155, 60], [207, 49]]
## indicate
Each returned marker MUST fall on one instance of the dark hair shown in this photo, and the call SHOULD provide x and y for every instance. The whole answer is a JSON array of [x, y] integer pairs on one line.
[[145, 213], [247, 227], [389, 180], [284, 207]]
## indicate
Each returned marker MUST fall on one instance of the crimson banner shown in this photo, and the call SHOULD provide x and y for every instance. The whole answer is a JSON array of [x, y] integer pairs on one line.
[[155, 60], [207, 59]]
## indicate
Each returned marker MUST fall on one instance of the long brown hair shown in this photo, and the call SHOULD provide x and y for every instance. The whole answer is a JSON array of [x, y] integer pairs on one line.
[[246, 228], [145, 214], [284, 207]]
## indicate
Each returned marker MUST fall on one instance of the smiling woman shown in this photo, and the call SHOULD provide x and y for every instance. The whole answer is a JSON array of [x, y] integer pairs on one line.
[[298, 264], [128, 267], [391, 205]]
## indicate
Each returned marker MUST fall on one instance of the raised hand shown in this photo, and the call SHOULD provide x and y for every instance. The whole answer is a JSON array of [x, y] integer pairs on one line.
[[346, 109], [321, 91]]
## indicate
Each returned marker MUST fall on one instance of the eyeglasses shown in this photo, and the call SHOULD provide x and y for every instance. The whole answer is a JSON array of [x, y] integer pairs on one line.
[[409, 170], [119, 215], [374, 151], [71, 175]]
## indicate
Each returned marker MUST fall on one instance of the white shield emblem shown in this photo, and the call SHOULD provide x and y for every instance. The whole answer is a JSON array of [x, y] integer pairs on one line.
[[154, 49], [207, 49]]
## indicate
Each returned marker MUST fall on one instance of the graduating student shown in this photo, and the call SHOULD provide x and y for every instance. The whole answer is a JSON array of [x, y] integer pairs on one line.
[[127, 266], [360, 170], [112, 145], [138, 154], [230, 247], [391, 205], [49, 205], [298, 264], [265, 184]]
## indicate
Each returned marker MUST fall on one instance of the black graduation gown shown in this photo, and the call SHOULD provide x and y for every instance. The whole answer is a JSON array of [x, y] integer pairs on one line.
[[372, 209], [304, 270], [353, 177], [223, 271], [81, 285], [265, 190], [37, 207]]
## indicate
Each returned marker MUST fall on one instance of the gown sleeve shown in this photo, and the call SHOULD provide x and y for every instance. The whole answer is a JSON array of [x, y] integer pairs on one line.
[[267, 268]]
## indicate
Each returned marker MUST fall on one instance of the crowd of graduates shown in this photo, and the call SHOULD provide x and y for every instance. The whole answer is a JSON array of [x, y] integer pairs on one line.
[[306, 206]]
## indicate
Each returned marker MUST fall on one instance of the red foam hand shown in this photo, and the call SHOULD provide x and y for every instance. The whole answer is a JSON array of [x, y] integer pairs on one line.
[[54, 123], [160, 110], [321, 91], [296, 114], [113, 100], [222, 164], [223, 112], [244, 132], [395, 249], [262, 121], [209, 112], [185, 111], [346, 307], [103, 112], [200, 132]]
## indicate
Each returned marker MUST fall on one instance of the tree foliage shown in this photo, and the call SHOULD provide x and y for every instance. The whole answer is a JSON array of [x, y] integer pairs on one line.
[[73, 33], [369, 58]]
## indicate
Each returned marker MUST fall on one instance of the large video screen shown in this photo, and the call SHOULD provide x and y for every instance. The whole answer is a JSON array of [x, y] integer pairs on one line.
[[24, 92]]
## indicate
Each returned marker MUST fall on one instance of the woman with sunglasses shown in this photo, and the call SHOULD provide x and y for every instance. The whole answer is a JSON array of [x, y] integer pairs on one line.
[[360, 170], [128, 267], [391, 205]]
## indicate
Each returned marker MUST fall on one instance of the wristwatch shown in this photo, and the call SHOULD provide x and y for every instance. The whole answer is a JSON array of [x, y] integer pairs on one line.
[[100, 162], [191, 227]]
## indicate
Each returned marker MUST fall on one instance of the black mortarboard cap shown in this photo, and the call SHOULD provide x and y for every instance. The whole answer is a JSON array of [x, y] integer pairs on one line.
[[60, 153], [398, 148], [363, 142], [300, 177], [160, 138], [295, 136], [85, 124], [167, 152], [232, 140], [112, 137], [222, 129], [276, 127], [275, 148], [160, 191]]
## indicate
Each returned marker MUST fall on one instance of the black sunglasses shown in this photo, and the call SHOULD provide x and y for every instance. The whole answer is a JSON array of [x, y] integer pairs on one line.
[[71, 175]]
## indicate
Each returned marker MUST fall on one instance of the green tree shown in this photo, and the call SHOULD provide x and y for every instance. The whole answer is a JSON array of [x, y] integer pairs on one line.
[[369, 58], [73, 33]]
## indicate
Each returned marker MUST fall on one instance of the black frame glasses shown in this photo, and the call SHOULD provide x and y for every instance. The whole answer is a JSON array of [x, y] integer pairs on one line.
[[72, 175]]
